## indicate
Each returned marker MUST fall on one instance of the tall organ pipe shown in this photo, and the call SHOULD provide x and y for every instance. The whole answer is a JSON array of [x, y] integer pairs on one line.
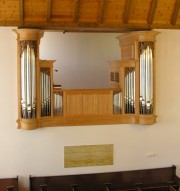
[[28, 79], [146, 77]]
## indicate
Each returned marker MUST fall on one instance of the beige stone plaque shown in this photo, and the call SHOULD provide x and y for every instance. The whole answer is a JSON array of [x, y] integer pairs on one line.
[[88, 155]]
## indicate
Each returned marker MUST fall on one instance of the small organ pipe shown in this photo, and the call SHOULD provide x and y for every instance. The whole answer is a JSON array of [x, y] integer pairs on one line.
[[58, 103], [117, 102], [45, 92], [130, 90]]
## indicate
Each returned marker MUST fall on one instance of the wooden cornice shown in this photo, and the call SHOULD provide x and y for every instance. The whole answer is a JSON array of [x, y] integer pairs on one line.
[[152, 11], [175, 12]]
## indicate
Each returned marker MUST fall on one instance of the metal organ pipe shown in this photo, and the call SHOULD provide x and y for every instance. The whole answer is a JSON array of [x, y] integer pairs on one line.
[[58, 103], [146, 77], [33, 84], [28, 79], [130, 90], [45, 92], [117, 102]]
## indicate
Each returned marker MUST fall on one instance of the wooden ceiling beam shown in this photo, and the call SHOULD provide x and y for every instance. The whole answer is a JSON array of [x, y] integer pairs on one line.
[[49, 4], [90, 26], [127, 11], [175, 12], [102, 10], [76, 10], [152, 11], [21, 12]]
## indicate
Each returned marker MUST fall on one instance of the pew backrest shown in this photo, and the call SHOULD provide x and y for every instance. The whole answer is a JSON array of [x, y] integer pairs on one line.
[[107, 181], [9, 184]]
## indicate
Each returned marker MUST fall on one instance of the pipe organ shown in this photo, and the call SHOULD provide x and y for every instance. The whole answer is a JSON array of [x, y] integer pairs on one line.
[[130, 99], [136, 69]]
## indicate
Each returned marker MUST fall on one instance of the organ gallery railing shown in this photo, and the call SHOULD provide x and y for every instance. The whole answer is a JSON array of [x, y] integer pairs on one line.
[[129, 100]]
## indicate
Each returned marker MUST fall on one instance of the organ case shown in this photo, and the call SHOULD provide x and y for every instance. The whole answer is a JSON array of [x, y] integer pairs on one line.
[[28, 41], [136, 70], [129, 100]]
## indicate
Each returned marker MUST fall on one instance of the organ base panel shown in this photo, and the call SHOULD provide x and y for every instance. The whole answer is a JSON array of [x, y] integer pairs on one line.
[[87, 120], [130, 99]]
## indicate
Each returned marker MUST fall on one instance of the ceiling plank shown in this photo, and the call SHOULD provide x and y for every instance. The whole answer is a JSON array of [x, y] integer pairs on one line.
[[21, 12], [152, 11], [127, 11], [76, 10], [175, 12], [102, 10], [49, 2]]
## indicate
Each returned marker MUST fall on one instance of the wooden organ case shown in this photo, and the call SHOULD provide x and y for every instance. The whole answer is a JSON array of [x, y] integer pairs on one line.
[[134, 75], [129, 100]]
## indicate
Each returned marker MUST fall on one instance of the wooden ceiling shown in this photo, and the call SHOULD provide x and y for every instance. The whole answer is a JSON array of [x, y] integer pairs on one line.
[[91, 15]]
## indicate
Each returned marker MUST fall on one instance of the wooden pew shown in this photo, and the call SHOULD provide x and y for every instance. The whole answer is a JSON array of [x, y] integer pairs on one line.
[[158, 179], [9, 184]]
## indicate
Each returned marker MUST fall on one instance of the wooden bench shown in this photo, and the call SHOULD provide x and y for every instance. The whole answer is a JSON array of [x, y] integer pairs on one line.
[[158, 179], [9, 184]]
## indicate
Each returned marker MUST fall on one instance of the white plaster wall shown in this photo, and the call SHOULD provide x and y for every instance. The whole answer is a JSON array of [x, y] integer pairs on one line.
[[40, 152], [81, 58]]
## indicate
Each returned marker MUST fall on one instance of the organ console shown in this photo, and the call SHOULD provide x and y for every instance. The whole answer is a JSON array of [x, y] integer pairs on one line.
[[129, 100]]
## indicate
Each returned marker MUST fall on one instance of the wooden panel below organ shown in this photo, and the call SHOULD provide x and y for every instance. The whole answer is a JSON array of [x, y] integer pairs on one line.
[[87, 102]]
